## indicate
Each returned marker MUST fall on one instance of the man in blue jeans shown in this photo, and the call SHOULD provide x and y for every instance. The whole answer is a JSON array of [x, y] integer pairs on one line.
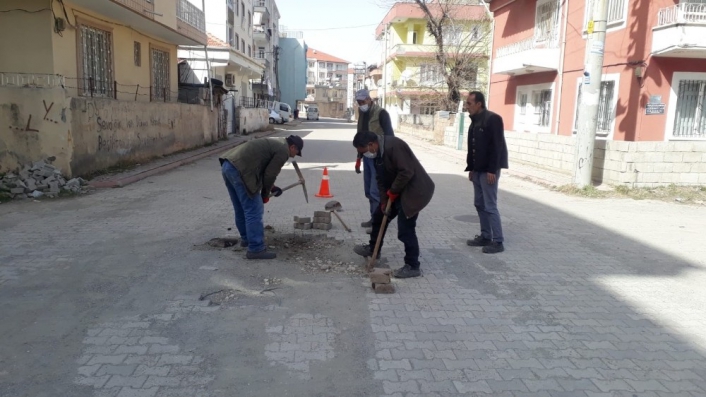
[[249, 172], [487, 154], [371, 118]]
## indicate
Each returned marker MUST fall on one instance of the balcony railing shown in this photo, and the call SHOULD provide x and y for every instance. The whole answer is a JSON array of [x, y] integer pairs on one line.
[[537, 41], [682, 13], [144, 7], [191, 14]]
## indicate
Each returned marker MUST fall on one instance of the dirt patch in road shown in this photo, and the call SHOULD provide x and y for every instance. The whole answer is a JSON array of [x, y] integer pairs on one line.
[[316, 253]]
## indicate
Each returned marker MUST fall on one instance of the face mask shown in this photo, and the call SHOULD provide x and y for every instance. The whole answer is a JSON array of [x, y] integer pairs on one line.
[[364, 108], [370, 155]]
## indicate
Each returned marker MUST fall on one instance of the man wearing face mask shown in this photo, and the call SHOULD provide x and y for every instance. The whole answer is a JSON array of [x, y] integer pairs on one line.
[[487, 154], [249, 172], [401, 179], [375, 119]]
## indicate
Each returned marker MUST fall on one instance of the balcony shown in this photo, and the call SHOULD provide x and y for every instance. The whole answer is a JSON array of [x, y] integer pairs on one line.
[[261, 34], [531, 55], [264, 61], [262, 13], [412, 50], [191, 21], [188, 28], [680, 31]]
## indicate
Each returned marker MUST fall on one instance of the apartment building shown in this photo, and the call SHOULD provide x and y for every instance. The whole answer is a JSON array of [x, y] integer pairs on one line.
[[651, 119], [412, 79], [327, 83], [266, 31], [93, 83], [292, 71], [653, 77]]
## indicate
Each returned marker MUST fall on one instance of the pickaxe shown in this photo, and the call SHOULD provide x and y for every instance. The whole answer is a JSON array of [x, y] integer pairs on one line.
[[300, 182]]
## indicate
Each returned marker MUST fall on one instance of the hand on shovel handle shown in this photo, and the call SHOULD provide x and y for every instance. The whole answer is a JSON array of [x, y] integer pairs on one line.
[[371, 264]]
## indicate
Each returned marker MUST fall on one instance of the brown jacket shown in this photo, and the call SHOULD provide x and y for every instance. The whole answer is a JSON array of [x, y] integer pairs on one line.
[[399, 171]]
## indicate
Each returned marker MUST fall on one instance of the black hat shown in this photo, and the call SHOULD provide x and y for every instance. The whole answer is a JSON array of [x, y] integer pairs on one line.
[[296, 141]]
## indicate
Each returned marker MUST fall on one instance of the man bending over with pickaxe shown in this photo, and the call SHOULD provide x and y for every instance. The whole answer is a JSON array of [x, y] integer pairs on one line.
[[250, 171]]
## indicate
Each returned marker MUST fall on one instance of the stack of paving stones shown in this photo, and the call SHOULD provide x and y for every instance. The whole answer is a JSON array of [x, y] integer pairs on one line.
[[382, 281], [322, 221], [40, 179]]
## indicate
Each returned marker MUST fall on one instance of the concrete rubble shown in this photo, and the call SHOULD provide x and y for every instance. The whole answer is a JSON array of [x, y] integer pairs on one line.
[[38, 180]]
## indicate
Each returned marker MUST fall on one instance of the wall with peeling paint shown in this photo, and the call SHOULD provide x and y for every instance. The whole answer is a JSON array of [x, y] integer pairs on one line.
[[91, 134], [109, 132], [35, 123], [251, 120]]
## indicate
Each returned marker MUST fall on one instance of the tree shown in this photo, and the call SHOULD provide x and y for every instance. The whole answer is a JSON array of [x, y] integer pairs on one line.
[[461, 32]]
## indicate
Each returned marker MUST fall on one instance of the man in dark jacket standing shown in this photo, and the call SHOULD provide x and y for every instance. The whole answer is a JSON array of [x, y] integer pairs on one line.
[[487, 154], [372, 118], [402, 179], [249, 172]]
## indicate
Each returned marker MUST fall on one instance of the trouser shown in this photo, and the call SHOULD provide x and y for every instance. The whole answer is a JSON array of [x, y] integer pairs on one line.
[[371, 184], [248, 209], [486, 202], [406, 232]]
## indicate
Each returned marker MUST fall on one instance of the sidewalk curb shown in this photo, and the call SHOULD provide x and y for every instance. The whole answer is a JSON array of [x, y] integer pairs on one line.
[[122, 182]]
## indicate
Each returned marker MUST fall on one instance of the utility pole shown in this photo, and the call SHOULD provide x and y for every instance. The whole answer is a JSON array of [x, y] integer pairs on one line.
[[384, 71], [590, 95], [208, 62]]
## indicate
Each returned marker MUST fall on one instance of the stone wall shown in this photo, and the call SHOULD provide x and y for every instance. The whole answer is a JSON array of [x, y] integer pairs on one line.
[[634, 164], [91, 134], [426, 127]]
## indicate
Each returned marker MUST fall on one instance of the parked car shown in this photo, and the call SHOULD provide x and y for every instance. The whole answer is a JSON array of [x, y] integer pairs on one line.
[[312, 113], [284, 110], [275, 117]]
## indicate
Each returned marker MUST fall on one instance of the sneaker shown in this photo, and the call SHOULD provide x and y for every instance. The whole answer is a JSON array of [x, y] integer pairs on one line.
[[264, 254], [406, 272], [493, 248], [367, 224], [369, 230], [478, 241], [365, 250]]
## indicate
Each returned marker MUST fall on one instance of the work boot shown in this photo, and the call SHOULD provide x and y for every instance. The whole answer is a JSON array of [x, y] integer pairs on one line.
[[406, 271], [365, 250], [264, 254], [367, 224], [478, 241], [493, 248]]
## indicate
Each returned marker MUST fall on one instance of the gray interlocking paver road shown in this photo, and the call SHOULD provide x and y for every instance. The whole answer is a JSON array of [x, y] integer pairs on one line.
[[591, 298]]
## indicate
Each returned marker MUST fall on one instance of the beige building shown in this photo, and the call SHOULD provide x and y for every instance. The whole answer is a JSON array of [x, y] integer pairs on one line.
[[327, 83], [86, 81]]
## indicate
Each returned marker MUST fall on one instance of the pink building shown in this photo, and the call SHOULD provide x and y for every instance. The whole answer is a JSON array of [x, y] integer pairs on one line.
[[652, 112]]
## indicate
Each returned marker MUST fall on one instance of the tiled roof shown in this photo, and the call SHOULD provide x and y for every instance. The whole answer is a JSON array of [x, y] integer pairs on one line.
[[322, 56], [214, 41]]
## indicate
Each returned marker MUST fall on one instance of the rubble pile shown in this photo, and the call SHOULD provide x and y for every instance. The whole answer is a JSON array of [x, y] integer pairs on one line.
[[40, 179]]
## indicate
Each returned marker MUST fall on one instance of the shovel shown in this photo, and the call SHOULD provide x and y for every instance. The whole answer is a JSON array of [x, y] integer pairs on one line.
[[371, 264]]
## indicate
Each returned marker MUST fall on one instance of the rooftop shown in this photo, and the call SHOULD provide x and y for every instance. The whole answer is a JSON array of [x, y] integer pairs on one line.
[[312, 53]]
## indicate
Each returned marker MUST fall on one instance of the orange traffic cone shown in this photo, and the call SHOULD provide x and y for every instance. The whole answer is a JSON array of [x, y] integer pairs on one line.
[[324, 189]]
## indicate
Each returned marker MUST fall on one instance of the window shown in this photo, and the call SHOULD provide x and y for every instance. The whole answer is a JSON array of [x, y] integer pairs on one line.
[[430, 74], [237, 42], [237, 12], [690, 116], [242, 46], [231, 36], [475, 33], [242, 11], [322, 64], [452, 35], [312, 76], [249, 20], [414, 37], [542, 104], [545, 22], [340, 66], [96, 68], [329, 66], [617, 10], [311, 64], [606, 109], [261, 52], [340, 106], [322, 75], [137, 49], [160, 75], [249, 50], [428, 109], [522, 102]]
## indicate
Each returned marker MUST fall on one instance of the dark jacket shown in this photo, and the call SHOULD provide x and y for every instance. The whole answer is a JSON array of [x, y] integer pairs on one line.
[[259, 162], [399, 171], [487, 150]]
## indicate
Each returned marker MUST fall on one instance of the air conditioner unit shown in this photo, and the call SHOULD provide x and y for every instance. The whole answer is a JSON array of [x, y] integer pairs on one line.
[[230, 79]]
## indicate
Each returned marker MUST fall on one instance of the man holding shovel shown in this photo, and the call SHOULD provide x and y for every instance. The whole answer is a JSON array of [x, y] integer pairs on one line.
[[249, 172], [405, 186]]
